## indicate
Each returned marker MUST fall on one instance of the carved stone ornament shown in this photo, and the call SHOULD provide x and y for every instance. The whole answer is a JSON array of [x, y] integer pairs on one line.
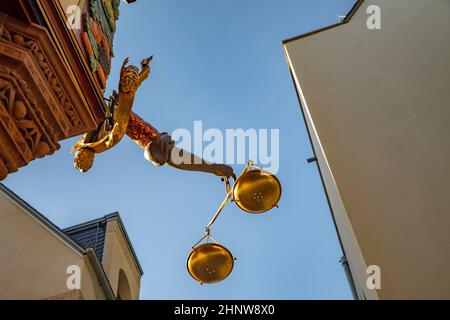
[[25, 133], [40, 104], [34, 48]]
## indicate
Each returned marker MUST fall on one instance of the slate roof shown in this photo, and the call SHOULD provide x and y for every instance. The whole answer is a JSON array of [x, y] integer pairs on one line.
[[89, 236]]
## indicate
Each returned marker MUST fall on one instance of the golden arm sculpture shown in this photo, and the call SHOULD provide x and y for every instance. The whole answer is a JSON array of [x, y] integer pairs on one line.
[[120, 120], [106, 137]]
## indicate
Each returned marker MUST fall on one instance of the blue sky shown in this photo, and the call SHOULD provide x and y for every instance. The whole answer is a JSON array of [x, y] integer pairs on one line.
[[219, 61]]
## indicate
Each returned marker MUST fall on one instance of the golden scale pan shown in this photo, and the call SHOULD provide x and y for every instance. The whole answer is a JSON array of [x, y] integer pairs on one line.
[[255, 191]]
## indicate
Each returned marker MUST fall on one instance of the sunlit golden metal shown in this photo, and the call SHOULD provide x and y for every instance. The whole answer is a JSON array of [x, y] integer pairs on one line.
[[257, 191], [210, 263], [105, 138]]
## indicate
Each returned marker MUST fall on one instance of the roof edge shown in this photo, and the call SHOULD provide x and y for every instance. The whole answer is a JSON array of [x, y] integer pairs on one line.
[[346, 20], [116, 216], [109, 217], [40, 218], [61, 233]]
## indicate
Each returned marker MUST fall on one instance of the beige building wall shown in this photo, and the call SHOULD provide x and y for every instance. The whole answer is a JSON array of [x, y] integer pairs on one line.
[[35, 256], [117, 258], [34, 259], [377, 106]]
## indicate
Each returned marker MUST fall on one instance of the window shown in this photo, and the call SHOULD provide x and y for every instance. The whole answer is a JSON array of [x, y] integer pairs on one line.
[[123, 288]]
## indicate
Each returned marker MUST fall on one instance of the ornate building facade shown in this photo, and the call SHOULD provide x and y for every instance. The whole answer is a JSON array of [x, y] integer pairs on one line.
[[55, 58]]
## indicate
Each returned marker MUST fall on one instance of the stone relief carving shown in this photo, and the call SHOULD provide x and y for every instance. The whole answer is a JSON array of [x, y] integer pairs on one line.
[[46, 69], [3, 168], [32, 136]]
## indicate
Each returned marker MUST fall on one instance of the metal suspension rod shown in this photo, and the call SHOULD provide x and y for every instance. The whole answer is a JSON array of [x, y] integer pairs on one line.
[[229, 194], [220, 209]]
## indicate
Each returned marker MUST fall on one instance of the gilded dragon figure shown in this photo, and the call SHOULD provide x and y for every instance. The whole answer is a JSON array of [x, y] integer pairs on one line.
[[120, 120]]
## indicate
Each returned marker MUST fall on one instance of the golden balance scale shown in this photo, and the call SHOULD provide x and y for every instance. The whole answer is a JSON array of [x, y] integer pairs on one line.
[[254, 191]]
